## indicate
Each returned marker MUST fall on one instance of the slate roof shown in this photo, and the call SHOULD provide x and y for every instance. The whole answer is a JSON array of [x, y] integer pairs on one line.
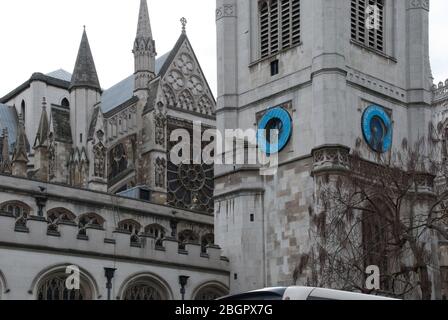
[[124, 90], [55, 79], [60, 74], [84, 74], [9, 119]]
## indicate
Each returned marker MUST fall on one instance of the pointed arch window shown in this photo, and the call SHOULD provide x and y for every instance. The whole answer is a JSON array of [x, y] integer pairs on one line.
[[23, 110], [133, 227], [145, 289], [65, 103], [279, 23], [54, 288], [157, 232], [187, 236], [89, 220]]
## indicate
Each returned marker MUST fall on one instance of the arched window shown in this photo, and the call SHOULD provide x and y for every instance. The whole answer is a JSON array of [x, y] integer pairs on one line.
[[131, 226], [65, 103], [145, 288], [375, 239], [91, 220], [23, 110], [157, 232], [57, 216], [207, 240], [19, 210], [53, 288], [187, 236], [211, 292]]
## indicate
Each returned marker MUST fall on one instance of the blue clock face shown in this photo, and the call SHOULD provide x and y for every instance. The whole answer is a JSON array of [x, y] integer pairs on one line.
[[377, 129], [275, 119]]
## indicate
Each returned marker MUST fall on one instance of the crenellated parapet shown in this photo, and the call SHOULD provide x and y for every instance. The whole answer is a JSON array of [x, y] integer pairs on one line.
[[96, 242], [440, 92]]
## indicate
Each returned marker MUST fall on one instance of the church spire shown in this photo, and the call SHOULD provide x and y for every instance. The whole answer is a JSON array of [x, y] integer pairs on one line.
[[144, 26], [84, 74], [42, 132], [144, 50]]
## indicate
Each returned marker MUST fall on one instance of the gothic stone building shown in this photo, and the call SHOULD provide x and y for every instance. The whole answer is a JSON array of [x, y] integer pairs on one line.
[[316, 67], [86, 180]]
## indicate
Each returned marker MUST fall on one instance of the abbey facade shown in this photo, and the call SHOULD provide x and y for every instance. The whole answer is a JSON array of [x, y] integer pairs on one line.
[[334, 81], [87, 181]]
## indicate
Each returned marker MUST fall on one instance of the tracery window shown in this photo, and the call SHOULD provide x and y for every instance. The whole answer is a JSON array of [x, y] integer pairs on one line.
[[65, 103], [19, 210], [210, 293], [89, 220], [187, 236], [190, 186], [118, 160], [133, 227], [367, 23], [54, 288], [279, 22], [57, 216], [207, 240], [156, 231], [145, 289]]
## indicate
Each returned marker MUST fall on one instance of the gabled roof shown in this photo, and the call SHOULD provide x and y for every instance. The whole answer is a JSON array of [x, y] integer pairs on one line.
[[124, 90]]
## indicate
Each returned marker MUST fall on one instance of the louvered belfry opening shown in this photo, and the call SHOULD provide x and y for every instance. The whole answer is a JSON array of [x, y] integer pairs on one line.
[[279, 25], [367, 23]]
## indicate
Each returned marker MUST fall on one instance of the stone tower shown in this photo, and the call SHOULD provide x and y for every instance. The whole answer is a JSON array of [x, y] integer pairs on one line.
[[324, 65], [144, 50], [85, 93]]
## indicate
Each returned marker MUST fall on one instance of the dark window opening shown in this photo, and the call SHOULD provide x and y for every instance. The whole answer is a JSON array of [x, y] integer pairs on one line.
[[65, 103], [274, 68]]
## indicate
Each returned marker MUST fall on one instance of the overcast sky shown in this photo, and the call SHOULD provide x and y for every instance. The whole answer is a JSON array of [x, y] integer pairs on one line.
[[44, 35]]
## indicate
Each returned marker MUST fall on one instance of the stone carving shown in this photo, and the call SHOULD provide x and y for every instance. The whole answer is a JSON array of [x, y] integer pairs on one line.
[[176, 80], [185, 63], [186, 101], [170, 97], [205, 105], [160, 169], [227, 10], [99, 154], [160, 124], [195, 85]]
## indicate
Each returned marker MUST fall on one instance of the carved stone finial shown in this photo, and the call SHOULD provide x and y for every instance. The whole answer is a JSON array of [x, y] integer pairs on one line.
[[184, 22]]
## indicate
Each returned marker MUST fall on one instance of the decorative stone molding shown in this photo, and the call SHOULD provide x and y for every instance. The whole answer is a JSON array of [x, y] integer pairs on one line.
[[226, 10], [331, 158], [440, 91], [419, 4]]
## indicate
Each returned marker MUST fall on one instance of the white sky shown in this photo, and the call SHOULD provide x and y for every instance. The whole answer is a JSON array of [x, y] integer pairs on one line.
[[44, 35]]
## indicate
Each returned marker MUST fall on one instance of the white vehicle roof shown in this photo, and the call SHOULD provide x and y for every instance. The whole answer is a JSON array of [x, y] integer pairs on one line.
[[309, 293]]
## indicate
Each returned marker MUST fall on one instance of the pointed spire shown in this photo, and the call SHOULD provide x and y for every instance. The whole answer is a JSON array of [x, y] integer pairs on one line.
[[84, 74], [42, 132], [144, 50], [20, 155], [144, 26]]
